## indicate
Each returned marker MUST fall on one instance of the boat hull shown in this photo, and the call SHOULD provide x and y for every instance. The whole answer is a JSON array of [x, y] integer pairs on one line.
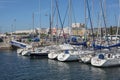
[[86, 59], [67, 57], [25, 53], [52, 55], [38, 54], [19, 51], [105, 62]]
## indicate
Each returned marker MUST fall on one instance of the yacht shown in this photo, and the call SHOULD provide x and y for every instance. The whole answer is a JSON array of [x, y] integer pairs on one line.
[[106, 60], [68, 53]]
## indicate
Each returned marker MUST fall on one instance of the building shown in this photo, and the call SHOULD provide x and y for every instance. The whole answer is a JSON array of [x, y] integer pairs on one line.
[[78, 29]]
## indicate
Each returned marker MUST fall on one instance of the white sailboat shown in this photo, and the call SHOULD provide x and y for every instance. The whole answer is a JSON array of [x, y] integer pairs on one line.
[[53, 55], [60, 48], [68, 53], [26, 51], [39, 52], [109, 59], [42, 51], [85, 56], [19, 51], [106, 60]]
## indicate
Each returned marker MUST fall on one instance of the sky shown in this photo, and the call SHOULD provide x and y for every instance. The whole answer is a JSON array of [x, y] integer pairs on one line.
[[18, 14]]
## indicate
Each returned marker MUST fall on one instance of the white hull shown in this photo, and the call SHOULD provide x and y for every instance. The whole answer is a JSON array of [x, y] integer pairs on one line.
[[85, 56], [19, 51], [52, 55], [67, 57], [25, 53], [95, 61], [59, 49]]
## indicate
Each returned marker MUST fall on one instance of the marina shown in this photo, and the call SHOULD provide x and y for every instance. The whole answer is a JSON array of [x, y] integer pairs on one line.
[[79, 40]]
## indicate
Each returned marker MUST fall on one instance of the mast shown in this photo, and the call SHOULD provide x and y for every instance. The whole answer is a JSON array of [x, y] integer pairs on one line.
[[56, 27], [14, 24], [59, 18], [52, 17], [85, 19], [93, 14], [103, 14], [70, 17], [33, 23], [40, 19], [100, 24], [118, 22], [90, 20]]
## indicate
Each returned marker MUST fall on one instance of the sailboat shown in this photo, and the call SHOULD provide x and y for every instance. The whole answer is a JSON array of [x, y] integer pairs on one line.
[[19, 51], [86, 54], [107, 59], [53, 55], [68, 53], [40, 51], [26, 51], [36, 51]]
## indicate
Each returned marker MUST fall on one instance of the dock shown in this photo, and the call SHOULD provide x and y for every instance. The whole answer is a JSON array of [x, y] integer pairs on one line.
[[5, 46]]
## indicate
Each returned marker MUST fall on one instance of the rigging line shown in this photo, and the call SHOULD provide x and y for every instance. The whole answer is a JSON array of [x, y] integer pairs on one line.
[[90, 19], [103, 14], [98, 23], [53, 15], [118, 21], [62, 23], [73, 12], [86, 19], [64, 18], [59, 18], [103, 17], [51, 20], [65, 15]]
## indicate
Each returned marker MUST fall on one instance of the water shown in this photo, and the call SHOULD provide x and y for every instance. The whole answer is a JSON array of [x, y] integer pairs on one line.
[[16, 67]]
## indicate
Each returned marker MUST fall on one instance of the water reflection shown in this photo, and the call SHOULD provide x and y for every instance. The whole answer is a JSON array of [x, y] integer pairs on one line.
[[70, 70], [17, 67]]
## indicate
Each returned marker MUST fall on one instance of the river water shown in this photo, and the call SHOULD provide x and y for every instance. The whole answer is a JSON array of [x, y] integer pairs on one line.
[[17, 67]]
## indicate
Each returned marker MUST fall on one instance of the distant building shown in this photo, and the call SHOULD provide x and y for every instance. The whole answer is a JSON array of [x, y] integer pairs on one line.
[[78, 25], [23, 31], [43, 30], [59, 31], [78, 29], [2, 35]]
